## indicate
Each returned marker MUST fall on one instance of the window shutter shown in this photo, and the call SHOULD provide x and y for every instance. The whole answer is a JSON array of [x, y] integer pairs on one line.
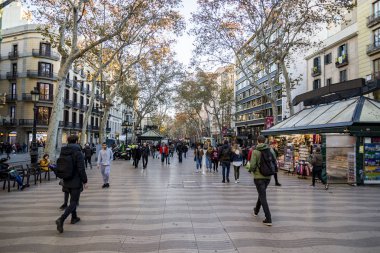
[[51, 92]]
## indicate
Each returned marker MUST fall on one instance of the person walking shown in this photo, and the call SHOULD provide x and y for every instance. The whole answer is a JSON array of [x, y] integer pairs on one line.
[[145, 153], [225, 155], [138, 153], [198, 156], [87, 151], [74, 184], [261, 181], [8, 150], [214, 159], [237, 161], [208, 159], [185, 149], [104, 163], [180, 152], [317, 162], [275, 152]]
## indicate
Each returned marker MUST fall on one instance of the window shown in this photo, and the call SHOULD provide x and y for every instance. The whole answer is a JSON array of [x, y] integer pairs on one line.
[[66, 116], [328, 81], [46, 91], [328, 58], [15, 49], [43, 115], [376, 66], [45, 49], [343, 76], [75, 98], [12, 112], [67, 94], [317, 62], [342, 50], [74, 117], [81, 100], [376, 37], [13, 91], [316, 84], [45, 69], [14, 69], [376, 8]]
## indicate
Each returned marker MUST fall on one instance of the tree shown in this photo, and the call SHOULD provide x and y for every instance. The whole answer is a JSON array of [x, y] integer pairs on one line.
[[257, 36], [74, 27]]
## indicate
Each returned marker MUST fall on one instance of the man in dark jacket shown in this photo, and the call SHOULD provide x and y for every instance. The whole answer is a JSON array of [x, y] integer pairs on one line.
[[145, 154], [87, 151], [76, 183], [137, 156], [317, 162], [225, 157], [180, 151]]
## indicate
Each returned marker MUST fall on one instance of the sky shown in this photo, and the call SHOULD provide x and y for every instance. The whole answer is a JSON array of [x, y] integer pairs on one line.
[[184, 44]]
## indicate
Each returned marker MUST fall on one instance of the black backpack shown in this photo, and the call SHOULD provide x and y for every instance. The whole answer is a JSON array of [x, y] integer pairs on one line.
[[268, 164], [65, 167], [226, 154]]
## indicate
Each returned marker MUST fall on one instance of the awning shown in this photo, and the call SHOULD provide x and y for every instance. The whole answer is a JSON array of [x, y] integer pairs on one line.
[[349, 115], [150, 135]]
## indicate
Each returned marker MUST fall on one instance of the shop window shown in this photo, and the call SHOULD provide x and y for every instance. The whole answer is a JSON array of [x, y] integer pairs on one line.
[[46, 91], [45, 69], [342, 75], [328, 58], [316, 84], [43, 115], [328, 81]]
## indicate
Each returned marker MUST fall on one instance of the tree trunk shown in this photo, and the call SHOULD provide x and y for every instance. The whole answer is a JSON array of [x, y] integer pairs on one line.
[[89, 111], [288, 88]]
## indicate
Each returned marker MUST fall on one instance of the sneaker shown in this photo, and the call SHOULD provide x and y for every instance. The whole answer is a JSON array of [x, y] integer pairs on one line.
[[223, 181], [254, 213], [238, 181], [326, 186], [75, 220], [228, 180], [104, 186], [278, 184], [59, 224], [107, 185], [63, 207], [267, 222], [235, 181]]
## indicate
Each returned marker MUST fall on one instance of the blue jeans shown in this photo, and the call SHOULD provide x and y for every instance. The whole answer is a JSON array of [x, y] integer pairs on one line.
[[226, 171], [198, 162], [208, 163]]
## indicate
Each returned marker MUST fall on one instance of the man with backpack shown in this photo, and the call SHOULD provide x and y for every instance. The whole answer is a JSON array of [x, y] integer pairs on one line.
[[71, 169], [225, 158], [263, 165]]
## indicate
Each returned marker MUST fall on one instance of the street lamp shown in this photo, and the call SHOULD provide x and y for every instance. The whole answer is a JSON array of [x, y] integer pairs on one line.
[[34, 149]]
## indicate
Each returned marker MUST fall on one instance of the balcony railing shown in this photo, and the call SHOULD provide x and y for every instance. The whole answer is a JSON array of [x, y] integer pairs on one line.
[[373, 48], [83, 107], [67, 102], [341, 61], [13, 55], [76, 126], [29, 122], [83, 90], [373, 77], [9, 122], [27, 97], [40, 74], [46, 98], [95, 127], [45, 54], [76, 105], [373, 19], [11, 97], [12, 75], [315, 71], [76, 85], [66, 124], [69, 83]]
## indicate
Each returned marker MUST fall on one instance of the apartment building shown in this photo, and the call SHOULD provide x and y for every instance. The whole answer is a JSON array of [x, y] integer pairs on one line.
[[28, 61], [337, 60], [369, 41]]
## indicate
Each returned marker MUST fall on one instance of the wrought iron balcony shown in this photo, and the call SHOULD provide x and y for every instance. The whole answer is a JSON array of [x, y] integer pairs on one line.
[[45, 54], [76, 85], [12, 75], [9, 122], [41, 74], [13, 55], [341, 61], [46, 98], [29, 122], [316, 71], [373, 48], [67, 102], [373, 19], [11, 97], [83, 107], [69, 83], [76, 105]]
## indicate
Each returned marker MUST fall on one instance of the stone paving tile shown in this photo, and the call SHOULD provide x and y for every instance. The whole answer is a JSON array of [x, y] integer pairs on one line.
[[172, 209]]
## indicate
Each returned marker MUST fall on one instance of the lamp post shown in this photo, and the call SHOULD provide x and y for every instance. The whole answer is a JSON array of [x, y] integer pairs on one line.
[[34, 149]]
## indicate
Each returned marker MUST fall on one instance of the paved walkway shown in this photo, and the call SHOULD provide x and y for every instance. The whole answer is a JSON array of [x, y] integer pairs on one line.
[[172, 209]]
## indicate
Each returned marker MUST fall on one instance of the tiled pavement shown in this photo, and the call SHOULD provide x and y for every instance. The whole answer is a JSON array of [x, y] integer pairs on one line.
[[172, 209]]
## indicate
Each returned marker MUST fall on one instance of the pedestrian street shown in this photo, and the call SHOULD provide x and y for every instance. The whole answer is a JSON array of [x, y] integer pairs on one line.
[[170, 208]]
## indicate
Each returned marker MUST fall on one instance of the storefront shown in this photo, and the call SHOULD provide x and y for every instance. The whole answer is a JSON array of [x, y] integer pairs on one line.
[[348, 132]]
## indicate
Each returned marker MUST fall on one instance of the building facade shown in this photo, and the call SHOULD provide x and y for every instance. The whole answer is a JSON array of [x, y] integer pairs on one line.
[[338, 59]]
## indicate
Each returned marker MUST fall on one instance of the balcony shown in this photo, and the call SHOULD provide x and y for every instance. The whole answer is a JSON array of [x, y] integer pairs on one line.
[[9, 122], [45, 54], [341, 61], [46, 98], [88, 92], [76, 125], [316, 71], [41, 75], [69, 83], [65, 124], [76, 70], [13, 55], [98, 96], [83, 90], [27, 97], [373, 19], [29, 122], [373, 48], [76, 105], [68, 102], [83, 107], [12, 75], [11, 98], [96, 128], [76, 85]]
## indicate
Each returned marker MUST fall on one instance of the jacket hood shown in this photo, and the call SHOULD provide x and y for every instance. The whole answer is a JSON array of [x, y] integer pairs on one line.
[[69, 149], [262, 146]]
